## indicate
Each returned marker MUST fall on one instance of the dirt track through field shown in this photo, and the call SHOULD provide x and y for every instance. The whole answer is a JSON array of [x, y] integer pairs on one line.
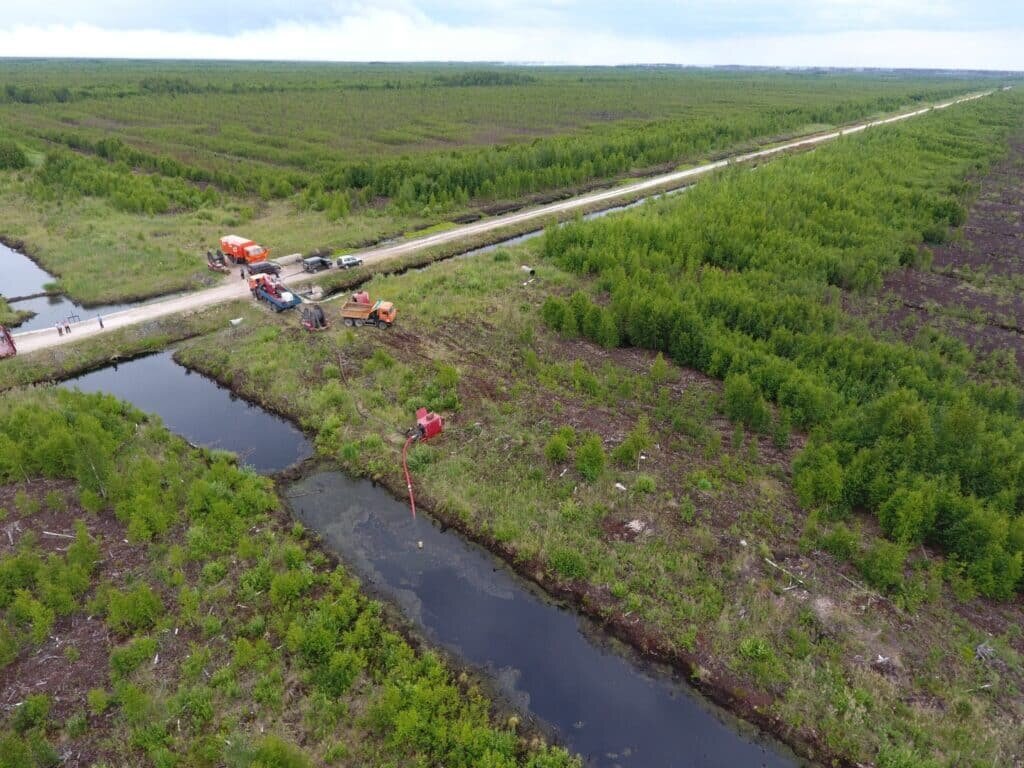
[[236, 288]]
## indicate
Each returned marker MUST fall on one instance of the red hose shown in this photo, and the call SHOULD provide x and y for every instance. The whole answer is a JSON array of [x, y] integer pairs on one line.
[[408, 480]]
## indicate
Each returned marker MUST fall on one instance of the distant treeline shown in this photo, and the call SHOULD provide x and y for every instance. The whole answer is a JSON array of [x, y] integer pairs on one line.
[[164, 85]]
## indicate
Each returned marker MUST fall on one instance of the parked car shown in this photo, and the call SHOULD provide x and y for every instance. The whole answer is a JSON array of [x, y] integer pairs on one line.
[[348, 262], [316, 263], [265, 268]]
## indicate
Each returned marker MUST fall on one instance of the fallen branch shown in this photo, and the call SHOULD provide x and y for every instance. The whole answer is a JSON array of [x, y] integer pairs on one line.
[[785, 571]]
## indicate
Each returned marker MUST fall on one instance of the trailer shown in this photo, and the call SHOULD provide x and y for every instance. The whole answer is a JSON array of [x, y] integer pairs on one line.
[[360, 311], [267, 289], [7, 346]]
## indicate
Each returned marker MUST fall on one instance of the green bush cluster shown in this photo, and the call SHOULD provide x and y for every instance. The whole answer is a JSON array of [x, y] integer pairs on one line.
[[64, 174], [591, 458], [299, 622], [579, 316], [35, 590], [12, 156], [739, 278]]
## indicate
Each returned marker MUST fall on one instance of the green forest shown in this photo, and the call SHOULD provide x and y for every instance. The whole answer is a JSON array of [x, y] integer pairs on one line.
[[341, 138], [225, 636], [745, 279]]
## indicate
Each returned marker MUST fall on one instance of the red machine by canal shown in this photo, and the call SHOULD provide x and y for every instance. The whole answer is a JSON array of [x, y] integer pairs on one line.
[[7, 347], [428, 425]]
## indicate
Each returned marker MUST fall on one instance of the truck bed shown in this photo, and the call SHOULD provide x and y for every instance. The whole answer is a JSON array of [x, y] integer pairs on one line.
[[279, 303], [357, 309]]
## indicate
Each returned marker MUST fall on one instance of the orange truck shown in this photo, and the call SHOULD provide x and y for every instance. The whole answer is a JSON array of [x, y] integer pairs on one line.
[[361, 311], [242, 251]]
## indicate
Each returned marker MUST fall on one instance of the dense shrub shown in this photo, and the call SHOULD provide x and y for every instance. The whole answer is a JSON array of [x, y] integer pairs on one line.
[[882, 565], [569, 563], [12, 157], [134, 609], [557, 449], [590, 458], [744, 402]]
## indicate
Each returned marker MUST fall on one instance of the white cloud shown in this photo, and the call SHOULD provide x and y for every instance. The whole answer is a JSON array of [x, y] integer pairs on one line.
[[402, 33]]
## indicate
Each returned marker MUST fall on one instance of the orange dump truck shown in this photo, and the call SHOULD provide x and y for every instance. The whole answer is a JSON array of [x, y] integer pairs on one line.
[[361, 311], [242, 251]]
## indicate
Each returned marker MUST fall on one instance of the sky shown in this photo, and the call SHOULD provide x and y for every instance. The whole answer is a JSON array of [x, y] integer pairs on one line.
[[946, 34]]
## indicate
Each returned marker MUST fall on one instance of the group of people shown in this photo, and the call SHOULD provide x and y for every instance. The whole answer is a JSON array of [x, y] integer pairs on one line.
[[64, 326]]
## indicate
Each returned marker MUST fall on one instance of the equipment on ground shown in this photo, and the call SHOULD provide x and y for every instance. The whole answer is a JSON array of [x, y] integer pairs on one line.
[[428, 425], [359, 311], [242, 251], [269, 289], [7, 346], [216, 263], [316, 264], [313, 318]]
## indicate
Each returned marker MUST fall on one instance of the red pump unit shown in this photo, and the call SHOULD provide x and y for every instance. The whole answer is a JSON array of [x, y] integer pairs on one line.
[[428, 425]]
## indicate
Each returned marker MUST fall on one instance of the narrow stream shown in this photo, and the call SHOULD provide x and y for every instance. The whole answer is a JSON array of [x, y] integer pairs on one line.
[[201, 411], [597, 696], [600, 699]]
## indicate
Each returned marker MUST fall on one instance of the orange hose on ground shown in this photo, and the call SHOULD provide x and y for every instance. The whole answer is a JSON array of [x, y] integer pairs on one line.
[[408, 480]]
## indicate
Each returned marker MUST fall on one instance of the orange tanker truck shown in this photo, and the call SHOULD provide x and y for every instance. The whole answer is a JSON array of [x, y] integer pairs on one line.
[[242, 251]]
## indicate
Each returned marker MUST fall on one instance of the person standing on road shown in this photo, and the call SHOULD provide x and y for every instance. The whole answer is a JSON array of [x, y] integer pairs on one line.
[[60, 330], [241, 272], [67, 327], [100, 318]]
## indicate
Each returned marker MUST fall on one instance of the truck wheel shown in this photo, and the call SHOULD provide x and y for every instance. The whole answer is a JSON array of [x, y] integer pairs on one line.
[[383, 326], [358, 322], [349, 322]]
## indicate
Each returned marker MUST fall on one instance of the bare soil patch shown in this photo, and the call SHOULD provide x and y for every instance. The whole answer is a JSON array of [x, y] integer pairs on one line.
[[75, 658], [971, 292]]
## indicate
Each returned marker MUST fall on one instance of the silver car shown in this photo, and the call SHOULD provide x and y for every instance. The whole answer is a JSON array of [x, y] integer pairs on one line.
[[348, 262]]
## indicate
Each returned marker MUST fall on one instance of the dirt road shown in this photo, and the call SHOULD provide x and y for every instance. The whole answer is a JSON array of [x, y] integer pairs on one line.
[[234, 288]]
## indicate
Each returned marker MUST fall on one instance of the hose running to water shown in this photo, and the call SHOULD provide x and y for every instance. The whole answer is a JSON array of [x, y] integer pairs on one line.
[[408, 479]]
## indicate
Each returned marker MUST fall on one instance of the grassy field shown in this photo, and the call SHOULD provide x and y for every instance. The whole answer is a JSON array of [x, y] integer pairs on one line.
[[129, 172], [788, 515], [158, 608]]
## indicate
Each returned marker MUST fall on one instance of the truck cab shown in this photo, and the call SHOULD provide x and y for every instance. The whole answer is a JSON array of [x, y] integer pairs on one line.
[[242, 251]]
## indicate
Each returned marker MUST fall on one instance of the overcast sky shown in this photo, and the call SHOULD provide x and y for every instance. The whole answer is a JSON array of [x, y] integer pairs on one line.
[[877, 33]]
